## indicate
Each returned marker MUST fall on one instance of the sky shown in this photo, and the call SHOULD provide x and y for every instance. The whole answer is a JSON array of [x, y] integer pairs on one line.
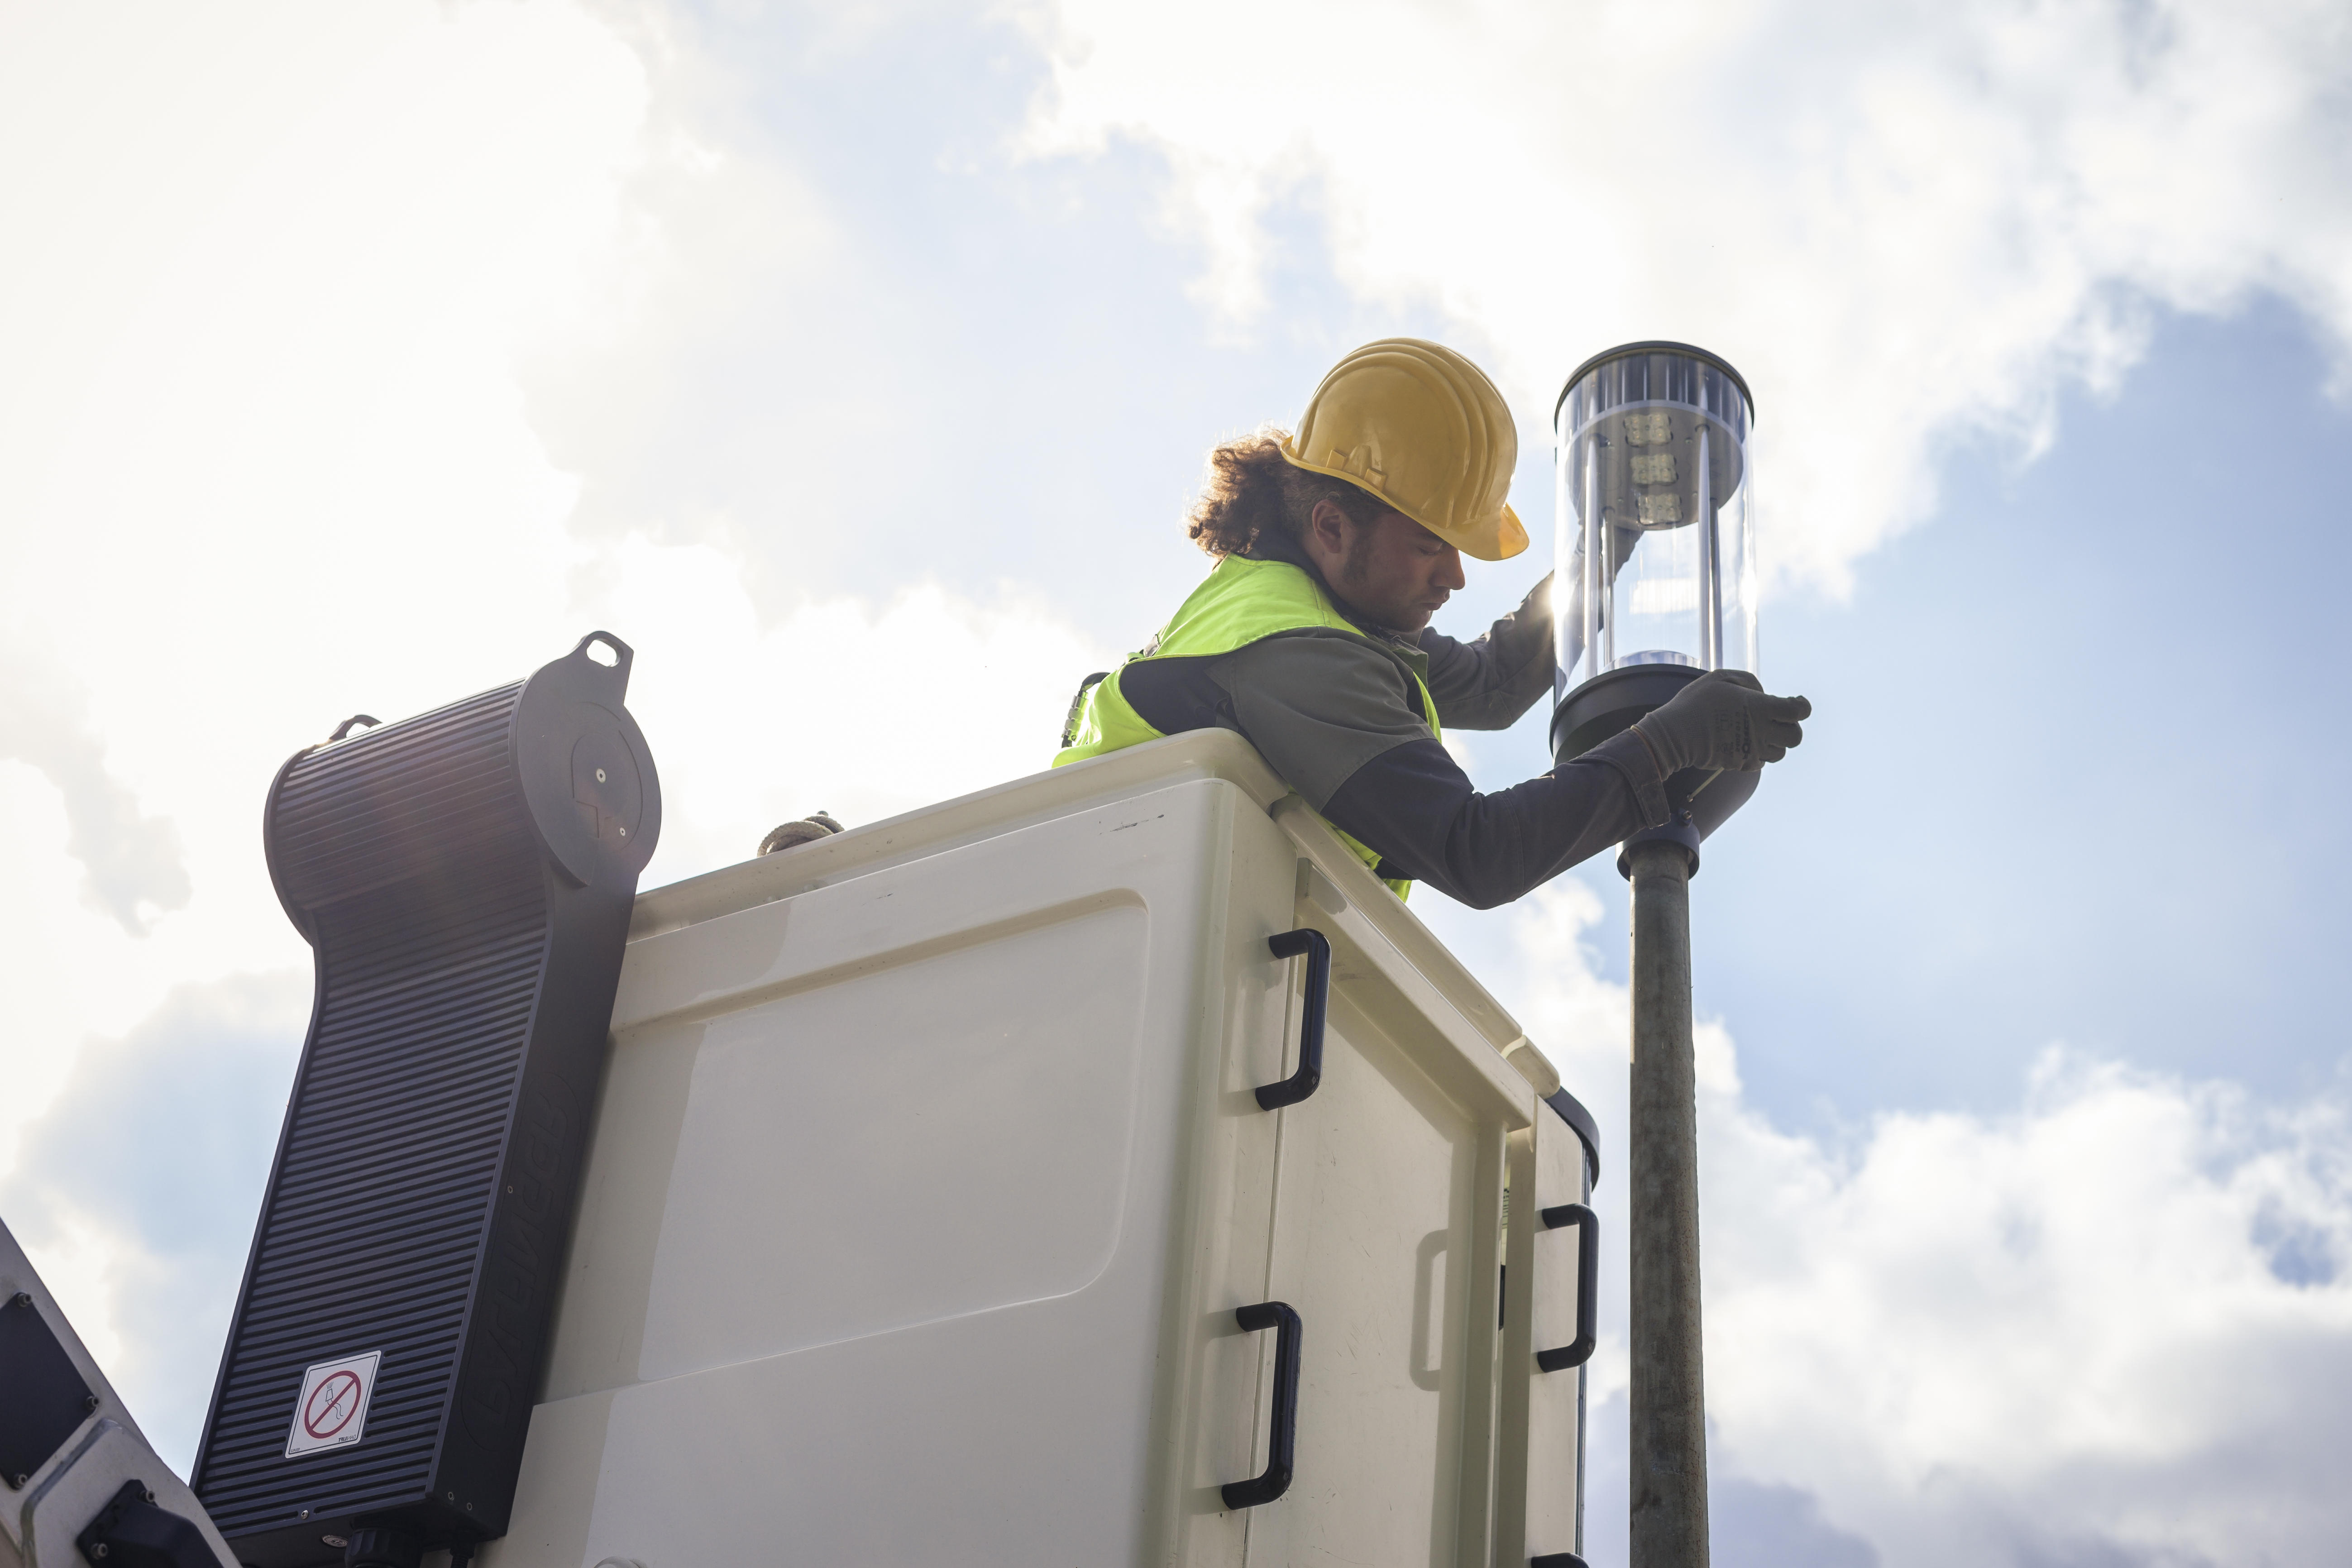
[[856, 364]]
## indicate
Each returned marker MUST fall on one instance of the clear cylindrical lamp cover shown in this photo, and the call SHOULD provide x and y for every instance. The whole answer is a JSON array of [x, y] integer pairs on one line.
[[1654, 463]]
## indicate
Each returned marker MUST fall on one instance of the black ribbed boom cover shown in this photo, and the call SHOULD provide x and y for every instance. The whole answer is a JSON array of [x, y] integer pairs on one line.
[[465, 879]]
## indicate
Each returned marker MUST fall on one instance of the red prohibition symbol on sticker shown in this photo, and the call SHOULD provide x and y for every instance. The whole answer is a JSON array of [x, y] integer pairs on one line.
[[332, 1405]]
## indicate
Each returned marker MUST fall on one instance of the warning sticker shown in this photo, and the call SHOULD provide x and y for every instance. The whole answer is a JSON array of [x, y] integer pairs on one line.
[[332, 1411]]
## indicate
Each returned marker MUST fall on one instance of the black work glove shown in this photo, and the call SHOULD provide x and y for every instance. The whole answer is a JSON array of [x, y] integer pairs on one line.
[[1724, 720]]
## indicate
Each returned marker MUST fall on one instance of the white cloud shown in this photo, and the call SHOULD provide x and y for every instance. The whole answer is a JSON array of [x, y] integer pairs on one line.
[[2117, 1312], [2116, 1318], [840, 705], [131, 861], [1905, 224], [62, 960], [292, 470], [732, 376], [137, 1191]]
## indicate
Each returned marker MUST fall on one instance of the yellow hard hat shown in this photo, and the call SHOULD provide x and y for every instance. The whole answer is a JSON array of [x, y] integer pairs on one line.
[[1421, 429]]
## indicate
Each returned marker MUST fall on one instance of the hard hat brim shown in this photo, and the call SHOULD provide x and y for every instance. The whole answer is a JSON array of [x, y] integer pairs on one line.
[[1496, 538]]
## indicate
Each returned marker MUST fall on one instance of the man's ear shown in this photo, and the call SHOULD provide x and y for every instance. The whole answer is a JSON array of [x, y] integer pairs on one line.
[[1328, 523]]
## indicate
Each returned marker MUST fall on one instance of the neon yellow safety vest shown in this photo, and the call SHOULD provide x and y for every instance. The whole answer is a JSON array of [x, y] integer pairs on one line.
[[1239, 602]]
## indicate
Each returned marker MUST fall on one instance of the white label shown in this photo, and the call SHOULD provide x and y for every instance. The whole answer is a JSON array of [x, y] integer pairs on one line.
[[332, 1411]]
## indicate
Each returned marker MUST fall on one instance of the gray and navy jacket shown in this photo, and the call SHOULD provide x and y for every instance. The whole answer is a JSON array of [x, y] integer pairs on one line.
[[1340, 718]]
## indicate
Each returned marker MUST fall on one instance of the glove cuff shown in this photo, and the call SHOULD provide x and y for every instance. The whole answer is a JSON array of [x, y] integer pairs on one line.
[[1633, 761], [1657, 750]]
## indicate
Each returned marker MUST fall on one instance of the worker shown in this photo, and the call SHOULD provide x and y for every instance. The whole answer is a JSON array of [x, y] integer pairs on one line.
[[1310, 639]]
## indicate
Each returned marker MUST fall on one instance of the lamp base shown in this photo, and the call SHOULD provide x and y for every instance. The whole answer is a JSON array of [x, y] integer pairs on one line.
[[1608, 704]]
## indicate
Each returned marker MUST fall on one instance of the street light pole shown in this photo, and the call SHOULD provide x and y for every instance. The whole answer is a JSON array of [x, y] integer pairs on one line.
[[1669, 1399], [1657, 534]]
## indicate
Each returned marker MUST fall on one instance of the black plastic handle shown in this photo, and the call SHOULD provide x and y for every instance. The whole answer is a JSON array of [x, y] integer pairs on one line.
[[1284, 1439], [1588, 1286], [622, 654], [1302, 1083]]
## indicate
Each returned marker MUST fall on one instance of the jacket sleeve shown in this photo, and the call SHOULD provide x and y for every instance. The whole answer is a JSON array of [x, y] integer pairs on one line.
[[1414, 805], [1487, 683], [1338, 719], [1320, 706]]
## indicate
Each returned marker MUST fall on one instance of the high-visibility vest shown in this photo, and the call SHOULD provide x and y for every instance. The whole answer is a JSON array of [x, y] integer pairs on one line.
[[1240, 602]]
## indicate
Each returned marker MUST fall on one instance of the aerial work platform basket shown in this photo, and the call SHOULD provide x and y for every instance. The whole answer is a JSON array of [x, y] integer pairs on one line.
[[963, 1189]]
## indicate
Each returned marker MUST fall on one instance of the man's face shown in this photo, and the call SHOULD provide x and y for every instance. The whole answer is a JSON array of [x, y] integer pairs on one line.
[[1392, 572]]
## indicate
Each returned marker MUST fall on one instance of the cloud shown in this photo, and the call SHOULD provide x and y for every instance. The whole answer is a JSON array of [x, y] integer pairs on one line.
[[333, 431], [1909, 224], [731, 374], [71, 968], [135, 1194], [2113, 1323], [281, 471], [2116, 1313], [865, 710], [131, 861]]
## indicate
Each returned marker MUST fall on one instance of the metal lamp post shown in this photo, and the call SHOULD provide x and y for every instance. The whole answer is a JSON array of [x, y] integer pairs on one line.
[[1656, 521]]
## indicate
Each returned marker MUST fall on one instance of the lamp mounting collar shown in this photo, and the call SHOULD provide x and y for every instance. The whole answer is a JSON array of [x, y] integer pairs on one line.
[[1655, 346]]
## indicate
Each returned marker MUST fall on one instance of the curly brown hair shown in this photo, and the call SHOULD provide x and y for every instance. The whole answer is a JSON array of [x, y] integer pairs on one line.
[[1251, 492]]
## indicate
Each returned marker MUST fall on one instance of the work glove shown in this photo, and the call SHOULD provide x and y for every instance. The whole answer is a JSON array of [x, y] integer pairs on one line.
[[1725, 719]]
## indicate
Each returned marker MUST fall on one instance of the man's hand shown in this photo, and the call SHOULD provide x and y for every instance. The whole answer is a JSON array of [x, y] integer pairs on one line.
[[1723, 719]]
